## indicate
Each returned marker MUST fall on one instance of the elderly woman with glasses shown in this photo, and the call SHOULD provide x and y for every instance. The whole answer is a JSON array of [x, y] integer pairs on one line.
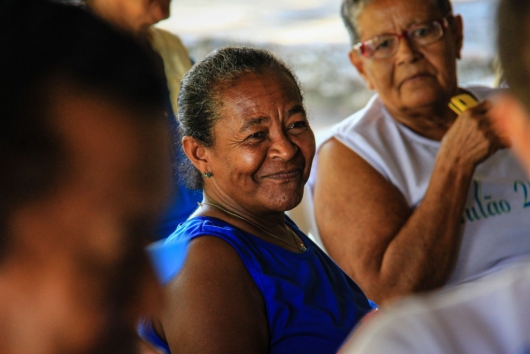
[[408, 195], [252, 281]]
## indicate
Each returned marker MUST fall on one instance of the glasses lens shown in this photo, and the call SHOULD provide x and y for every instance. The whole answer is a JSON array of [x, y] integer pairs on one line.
[[380, 47], [386, 45], [426, 33]]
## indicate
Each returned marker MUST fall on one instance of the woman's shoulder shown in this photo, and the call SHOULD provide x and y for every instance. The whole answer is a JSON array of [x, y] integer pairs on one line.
[[168, 256], [211, 235], [209, 238], [163, 40], [215, 268], [201, 225]]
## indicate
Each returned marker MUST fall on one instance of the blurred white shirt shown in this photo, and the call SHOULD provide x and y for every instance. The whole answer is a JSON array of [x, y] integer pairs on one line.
[[489, 315]]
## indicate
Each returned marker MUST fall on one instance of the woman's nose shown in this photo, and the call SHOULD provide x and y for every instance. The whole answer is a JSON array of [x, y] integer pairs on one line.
[[282, 147], [407, 50]]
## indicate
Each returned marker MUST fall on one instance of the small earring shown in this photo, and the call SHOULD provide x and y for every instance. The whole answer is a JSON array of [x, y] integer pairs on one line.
[[207, 174]]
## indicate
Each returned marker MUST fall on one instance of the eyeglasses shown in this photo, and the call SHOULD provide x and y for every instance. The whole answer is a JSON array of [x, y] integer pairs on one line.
[[386, 45]]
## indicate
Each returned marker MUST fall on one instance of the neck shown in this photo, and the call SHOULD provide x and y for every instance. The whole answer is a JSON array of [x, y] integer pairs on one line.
[[431, 121], [274, 220], [429, 125], [277, 232]]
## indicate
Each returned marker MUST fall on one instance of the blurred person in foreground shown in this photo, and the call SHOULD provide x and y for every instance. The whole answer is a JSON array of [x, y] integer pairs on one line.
[[491, 315], [138, 17], [252, 281], [83, 150], [407, 195]]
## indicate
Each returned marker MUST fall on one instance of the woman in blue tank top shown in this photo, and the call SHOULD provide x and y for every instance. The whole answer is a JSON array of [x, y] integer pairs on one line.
[[252, 281]]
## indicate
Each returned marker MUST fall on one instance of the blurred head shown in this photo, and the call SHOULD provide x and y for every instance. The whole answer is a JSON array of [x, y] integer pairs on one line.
[[242, 117], [132, 15], [416, 65], [84, 157], [511, 110]]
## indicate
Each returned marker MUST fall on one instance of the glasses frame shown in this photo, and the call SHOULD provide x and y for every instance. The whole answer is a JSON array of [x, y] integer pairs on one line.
[[360, 47]]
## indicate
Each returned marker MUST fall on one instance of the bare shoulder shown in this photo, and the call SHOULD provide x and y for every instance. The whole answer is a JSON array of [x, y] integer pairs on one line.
[[357, 210], [213, 266], [214, 254], [214, 304], [343, 175]]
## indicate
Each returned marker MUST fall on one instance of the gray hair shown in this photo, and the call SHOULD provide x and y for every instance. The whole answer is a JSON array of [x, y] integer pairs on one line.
[[351, 9], [199, 99]]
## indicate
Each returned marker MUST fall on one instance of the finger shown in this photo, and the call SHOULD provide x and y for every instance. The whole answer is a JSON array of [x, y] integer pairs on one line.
[[481, 109], [483, 122], [486, 105], [497, 141]]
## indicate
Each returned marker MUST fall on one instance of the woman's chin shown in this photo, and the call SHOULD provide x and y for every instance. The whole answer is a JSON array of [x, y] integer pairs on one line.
[[423, 95], [285, 201]]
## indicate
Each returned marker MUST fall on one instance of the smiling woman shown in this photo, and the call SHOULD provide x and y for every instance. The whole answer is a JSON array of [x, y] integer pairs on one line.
[[252, 282], [264, 147]]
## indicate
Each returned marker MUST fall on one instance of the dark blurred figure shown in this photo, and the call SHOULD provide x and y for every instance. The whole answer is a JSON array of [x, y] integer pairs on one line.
[[138, 17], [83, 150]]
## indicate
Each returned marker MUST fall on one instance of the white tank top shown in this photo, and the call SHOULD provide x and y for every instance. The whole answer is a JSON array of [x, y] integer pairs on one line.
[[495, 225]]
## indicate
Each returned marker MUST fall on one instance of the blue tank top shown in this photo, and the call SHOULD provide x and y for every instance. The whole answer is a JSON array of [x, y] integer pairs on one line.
[[311, 304]]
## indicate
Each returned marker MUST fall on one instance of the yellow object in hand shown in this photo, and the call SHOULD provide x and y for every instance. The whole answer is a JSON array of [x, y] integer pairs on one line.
[[460, 103]]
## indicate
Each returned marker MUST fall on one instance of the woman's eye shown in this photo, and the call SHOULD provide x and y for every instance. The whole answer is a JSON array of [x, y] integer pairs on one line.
[[257, 135], [384, 44], [422, 31], [299, 125]]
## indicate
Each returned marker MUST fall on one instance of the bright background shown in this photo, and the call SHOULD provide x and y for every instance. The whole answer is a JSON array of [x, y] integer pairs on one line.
[[309, 35]]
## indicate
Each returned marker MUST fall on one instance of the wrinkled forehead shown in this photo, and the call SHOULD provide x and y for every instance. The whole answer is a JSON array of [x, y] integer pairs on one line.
[[363, 7], [242, 82], [355, 7], [254, 88]]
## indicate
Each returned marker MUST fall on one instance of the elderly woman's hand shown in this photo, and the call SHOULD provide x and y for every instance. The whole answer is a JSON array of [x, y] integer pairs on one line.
[[472, 138]]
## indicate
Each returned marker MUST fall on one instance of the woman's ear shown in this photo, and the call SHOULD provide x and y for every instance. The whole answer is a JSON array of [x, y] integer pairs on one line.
[[358, 62], [196, 152]]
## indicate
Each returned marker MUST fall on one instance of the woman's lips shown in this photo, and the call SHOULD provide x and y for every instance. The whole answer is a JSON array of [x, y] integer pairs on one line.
[[415, 78], [284, 175]]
